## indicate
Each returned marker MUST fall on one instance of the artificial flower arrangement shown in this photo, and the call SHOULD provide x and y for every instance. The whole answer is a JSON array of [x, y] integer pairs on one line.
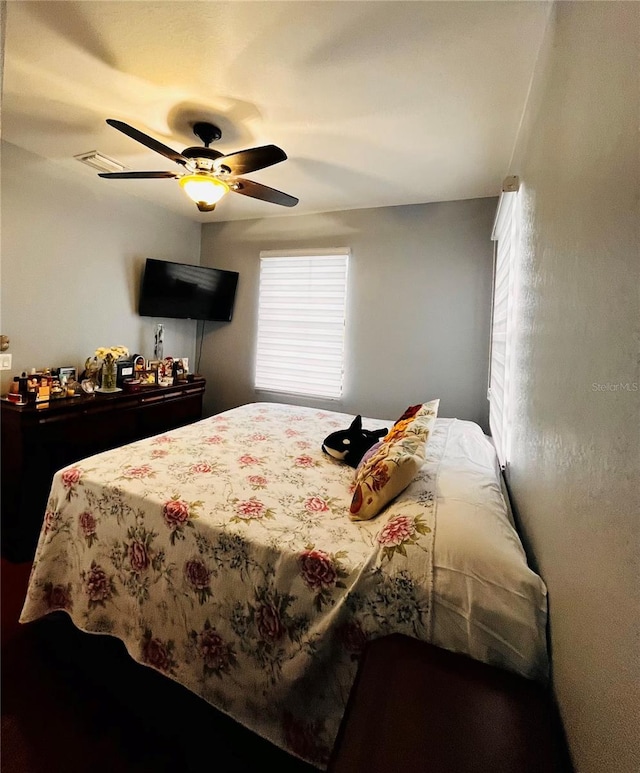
[[103, 366], [115, 352]]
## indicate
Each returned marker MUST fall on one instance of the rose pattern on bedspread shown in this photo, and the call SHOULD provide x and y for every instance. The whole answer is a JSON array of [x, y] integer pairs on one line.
[[223, 555]]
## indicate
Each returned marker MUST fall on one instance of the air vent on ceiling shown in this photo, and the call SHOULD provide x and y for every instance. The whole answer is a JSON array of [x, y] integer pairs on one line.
[[99, 161]]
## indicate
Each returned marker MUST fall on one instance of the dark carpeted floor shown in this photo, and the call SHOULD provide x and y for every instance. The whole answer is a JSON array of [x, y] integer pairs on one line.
[[73, 703]]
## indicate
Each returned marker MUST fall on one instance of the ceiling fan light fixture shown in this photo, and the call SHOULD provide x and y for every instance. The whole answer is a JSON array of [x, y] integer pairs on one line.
[[205, 207], [203, 189]]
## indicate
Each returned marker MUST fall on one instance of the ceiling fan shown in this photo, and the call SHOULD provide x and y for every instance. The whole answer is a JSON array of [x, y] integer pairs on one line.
[[207, 174]]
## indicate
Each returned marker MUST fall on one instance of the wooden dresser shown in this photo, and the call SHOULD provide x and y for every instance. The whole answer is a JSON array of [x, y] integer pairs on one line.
[[37, 440]]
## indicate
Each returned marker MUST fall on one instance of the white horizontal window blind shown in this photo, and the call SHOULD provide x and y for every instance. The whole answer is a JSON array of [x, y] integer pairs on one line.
[[301, 322], [505, 235]]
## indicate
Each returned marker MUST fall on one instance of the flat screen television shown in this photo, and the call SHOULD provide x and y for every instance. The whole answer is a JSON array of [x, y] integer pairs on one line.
[[182, 291]]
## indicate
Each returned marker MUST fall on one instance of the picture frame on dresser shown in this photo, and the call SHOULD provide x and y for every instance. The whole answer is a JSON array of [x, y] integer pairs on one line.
[[67, 373], [148, 377]]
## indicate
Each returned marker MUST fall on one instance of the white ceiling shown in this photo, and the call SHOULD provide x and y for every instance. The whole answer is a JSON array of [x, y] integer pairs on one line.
[[375, 103]]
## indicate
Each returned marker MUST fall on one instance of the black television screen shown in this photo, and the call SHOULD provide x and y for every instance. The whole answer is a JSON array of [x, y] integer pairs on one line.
[[182, 291]]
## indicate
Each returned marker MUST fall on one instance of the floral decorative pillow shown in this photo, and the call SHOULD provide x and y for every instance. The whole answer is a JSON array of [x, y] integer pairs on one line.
[[394, 462]]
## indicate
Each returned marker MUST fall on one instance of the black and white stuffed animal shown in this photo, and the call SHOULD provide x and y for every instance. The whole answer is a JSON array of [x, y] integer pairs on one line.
[[350, 445]]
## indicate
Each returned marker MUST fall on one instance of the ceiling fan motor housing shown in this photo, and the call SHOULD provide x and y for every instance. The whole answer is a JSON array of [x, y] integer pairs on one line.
[[203, 157]]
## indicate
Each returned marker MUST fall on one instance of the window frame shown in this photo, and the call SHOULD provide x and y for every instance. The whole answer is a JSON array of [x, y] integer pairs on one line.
[[260, 381], [506, 238]]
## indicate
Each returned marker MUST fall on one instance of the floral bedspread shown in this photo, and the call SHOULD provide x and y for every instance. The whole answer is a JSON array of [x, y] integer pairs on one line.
[[223, 555]]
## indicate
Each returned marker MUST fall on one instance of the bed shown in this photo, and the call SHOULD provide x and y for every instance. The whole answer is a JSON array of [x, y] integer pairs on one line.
[[222, 554]]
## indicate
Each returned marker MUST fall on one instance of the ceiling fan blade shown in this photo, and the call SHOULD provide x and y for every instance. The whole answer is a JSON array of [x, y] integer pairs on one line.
[[136, 175], [263, 192], [139, 136], [246, 161]]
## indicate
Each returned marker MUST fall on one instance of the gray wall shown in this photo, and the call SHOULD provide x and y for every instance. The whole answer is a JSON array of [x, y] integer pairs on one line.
[[417, 314], [576, 458], [72, 257]]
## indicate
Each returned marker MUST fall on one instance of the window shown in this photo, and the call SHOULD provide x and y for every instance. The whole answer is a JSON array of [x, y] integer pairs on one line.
[[301, 321], [505, 235]]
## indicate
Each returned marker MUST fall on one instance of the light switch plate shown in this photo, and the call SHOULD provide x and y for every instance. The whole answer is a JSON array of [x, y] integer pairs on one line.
[[5, 362]]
